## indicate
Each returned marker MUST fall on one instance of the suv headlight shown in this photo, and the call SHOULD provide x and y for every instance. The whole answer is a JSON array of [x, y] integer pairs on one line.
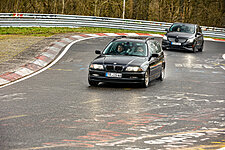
[[134, 69], [191, 40], [96, 66], [164, 37]]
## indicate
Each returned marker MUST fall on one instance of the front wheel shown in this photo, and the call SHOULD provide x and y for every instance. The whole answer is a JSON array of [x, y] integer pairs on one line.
[[194, 48], [201, 48], [145, 83], [162, 74]]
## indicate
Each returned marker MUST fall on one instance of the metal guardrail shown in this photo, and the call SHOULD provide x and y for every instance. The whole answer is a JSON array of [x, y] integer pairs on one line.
[[73, 21]]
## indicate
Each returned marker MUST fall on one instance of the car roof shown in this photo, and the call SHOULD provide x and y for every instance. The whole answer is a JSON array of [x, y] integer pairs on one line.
[[142, 39], [184, 23]]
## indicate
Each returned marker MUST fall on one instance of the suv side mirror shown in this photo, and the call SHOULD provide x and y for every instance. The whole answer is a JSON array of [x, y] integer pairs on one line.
[[199, 33], [98, 52], [166, 30]]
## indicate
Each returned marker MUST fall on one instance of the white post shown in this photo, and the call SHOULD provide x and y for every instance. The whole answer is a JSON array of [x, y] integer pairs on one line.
[[124, 8]]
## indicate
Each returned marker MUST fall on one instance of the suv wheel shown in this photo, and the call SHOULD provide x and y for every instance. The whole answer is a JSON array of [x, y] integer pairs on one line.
[[201, 48], [194, 48]]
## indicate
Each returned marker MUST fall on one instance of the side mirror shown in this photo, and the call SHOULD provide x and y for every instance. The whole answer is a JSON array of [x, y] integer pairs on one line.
[[98, 52], [166, 30], [199, 33], [155, 55]]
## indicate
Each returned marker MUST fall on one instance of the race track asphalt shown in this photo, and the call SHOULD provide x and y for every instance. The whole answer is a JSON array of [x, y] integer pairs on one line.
[[57, 109]]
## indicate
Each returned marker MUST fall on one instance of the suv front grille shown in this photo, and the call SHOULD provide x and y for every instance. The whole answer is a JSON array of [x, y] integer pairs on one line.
[[180, 40]]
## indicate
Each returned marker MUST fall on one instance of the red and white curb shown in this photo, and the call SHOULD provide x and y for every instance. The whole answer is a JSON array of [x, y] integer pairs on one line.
[[49, 56]]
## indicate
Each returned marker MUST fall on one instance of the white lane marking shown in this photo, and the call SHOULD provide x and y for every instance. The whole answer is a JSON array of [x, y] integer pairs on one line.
[[51, 64]]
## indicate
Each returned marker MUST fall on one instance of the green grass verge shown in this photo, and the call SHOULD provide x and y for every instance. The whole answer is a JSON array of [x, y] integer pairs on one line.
[[39, 31]]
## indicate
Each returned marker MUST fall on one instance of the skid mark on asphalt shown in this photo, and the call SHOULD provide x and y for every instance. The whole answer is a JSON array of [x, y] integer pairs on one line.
[[123, 126], [12, 97], [173, 141], [211, 146], [92, 101], [60, 69], [12, 117]]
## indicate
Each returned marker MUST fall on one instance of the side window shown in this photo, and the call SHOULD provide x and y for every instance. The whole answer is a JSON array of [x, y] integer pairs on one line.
[[151, 47], [200, 30], [158, 47]]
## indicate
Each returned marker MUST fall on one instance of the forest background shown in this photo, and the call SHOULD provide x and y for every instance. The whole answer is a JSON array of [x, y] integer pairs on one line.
[[202, 12]]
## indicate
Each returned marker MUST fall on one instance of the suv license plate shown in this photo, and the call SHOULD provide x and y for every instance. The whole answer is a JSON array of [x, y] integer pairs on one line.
[[175, 43], [113, 75]]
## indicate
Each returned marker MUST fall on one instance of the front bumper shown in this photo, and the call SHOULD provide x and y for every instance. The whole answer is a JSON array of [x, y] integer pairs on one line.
[[184, 46], [127, 77]]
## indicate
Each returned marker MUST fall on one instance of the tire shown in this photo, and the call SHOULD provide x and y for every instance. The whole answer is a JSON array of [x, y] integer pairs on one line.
[[146, 81], [201, 48], [162, 73], [93, 83], [194, 49]]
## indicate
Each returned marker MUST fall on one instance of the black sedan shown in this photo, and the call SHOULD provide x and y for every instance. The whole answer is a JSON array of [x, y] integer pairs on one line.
[[183, 36], [128, 60]]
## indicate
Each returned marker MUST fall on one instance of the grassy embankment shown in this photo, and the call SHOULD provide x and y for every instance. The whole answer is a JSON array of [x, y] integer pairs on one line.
[[36, 31], [46, 32]]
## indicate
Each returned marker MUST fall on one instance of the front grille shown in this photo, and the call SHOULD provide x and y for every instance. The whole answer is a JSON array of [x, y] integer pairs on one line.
[[114, 68], [118, 68], [109, 68], [180, 40]]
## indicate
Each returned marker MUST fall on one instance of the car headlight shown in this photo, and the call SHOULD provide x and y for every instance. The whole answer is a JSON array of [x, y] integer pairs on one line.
[[191, 40], [134, 69], [96, 66], [164, 37]]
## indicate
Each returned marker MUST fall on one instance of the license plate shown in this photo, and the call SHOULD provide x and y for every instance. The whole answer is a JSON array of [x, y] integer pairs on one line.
[[175, 43], [113, 75]]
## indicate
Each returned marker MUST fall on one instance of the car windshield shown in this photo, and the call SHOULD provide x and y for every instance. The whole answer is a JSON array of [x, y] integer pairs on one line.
[[186, 28], [130, 48]]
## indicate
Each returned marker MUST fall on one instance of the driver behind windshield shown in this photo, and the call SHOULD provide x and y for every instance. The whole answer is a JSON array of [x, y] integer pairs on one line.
[[120, 50]]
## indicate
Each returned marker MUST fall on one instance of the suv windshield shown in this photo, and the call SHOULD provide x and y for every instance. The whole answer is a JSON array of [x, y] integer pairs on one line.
[[130, 48], [186, 28]]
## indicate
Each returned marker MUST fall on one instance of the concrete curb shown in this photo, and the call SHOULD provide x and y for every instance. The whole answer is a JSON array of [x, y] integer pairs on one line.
[[50, 53]]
